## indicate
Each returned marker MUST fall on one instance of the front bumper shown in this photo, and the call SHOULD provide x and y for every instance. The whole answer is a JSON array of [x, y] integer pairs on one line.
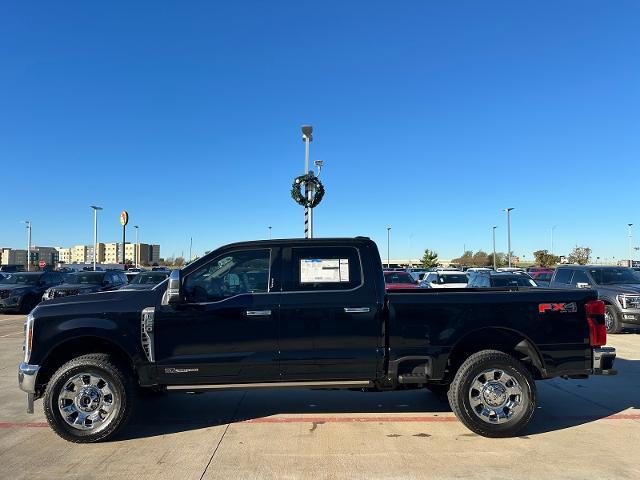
[[10, 304], [603, 359], [630, 317], [27, 376]]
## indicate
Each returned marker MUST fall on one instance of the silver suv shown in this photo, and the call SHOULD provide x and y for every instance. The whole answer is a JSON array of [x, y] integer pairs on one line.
[[618, 287]]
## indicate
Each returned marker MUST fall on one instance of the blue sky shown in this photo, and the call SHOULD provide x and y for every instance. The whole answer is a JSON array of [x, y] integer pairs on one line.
[[431, 117]]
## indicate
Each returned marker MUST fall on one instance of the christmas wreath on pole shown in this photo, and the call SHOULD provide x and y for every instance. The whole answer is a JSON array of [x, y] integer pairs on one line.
[[314, 184]]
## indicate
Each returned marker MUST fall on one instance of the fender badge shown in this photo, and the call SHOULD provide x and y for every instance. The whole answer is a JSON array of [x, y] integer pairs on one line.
[[558, 307], [180, 370]]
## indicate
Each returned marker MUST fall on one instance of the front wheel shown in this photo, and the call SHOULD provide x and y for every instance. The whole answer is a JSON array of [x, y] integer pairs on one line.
[[493, 394], [612, 320], [88, 399]]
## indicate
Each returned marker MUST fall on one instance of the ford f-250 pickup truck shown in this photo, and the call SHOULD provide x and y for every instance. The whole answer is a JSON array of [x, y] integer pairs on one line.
[[309, 314]]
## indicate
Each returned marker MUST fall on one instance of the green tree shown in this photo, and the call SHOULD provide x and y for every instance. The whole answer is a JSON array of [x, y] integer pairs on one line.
[[580, 255], [545, 259], [465, 259], [429, 259], [479, 259], [501, 259]]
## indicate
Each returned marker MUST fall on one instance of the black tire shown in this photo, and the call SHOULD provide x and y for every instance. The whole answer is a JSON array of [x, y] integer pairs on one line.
[[101, 365], [612, 319], [462, 390], [439, 389]]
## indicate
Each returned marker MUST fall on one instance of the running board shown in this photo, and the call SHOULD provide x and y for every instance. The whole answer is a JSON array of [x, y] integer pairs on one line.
[[334, 384]]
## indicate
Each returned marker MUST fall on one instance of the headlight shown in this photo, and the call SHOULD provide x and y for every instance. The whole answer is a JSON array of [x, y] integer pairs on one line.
[[47, 294], [629, 301], [28, 337]]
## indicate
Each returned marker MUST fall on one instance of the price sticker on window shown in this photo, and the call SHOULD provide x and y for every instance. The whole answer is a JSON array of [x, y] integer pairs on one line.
[[322, 270]]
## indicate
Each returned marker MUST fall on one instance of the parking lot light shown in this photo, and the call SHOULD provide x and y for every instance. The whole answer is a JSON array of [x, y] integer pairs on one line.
[[508, 210], [28, 223], [388, 249], [95, 233], [630, 249], [494, 247]]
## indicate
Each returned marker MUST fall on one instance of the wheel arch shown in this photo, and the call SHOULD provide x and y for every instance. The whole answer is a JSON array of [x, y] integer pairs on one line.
[[71, 348], [497, 338]]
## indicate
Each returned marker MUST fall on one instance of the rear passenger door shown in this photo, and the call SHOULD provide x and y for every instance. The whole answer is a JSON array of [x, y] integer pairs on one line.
[[330, 323]]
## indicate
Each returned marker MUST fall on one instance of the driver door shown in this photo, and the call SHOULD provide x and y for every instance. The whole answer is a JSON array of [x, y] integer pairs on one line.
[[227, 330]]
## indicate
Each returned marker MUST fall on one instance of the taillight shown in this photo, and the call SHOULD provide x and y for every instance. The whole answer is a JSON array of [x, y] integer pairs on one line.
[[595, 319]]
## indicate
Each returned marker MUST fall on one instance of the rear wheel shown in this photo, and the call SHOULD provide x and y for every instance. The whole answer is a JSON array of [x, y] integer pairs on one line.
[[88, 399], [493, 394], [612, 320]]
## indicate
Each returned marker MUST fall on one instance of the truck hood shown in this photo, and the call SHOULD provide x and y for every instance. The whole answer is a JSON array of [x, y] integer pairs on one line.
[[101, 302], [621, 288], [83, 287], [17, 286]]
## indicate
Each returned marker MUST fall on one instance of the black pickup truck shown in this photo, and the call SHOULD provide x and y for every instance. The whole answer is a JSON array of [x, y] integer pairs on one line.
[[309, 314]]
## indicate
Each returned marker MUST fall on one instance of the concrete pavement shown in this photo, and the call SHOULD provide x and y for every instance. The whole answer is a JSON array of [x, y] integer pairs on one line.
[[582, 429]]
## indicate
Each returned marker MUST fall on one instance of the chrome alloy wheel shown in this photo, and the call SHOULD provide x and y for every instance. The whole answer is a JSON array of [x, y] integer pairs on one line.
[[86, 401], [495, 396], [608, 320]]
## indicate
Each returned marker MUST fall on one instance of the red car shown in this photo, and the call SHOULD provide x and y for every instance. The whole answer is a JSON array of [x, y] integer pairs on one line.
[[398, 280]]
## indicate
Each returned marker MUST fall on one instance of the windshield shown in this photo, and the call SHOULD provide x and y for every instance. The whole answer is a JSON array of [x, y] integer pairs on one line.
[[543, 277], [21, 279], [442, 279], [148, 278], [611, 276], [398, 277], [93, 278], [512, 281]]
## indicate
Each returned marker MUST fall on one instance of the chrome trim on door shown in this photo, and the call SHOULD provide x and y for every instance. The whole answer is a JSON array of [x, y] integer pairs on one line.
[[357, 309], [338, 383], [258, 313]]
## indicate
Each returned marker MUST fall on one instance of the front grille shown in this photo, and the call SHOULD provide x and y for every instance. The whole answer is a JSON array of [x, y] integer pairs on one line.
[[5, 293]]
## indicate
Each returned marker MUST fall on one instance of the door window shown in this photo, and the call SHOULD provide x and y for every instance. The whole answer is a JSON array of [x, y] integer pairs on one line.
[[229, 274], [580, 277]]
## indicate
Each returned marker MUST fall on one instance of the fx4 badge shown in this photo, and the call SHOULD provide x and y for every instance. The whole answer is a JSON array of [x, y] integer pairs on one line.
[[180, 370], [558, 307]]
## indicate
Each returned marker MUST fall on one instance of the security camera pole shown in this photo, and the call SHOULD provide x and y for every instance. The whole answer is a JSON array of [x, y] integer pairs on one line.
[[307, 137], [508, 210], [494, 247], [28, 224]]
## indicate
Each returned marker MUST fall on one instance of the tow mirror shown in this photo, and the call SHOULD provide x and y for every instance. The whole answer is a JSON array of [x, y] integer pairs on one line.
[[582, 285], [173, 296]]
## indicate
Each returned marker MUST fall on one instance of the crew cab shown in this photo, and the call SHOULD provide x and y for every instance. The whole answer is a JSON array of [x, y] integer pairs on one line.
[[310, 314]]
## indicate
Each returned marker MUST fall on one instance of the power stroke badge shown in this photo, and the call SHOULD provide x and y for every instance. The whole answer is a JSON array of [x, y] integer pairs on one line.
[[180, 370]]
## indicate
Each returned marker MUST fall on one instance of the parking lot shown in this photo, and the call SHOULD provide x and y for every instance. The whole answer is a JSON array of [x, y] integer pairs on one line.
[[583, 428]]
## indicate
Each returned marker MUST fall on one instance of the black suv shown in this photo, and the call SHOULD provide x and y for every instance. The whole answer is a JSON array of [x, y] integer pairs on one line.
[[87, 282], [22, 291], [619, 287], [492, 279]]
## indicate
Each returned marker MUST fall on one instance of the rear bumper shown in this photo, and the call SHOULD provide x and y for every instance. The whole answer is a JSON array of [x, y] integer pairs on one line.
[[603, 360]]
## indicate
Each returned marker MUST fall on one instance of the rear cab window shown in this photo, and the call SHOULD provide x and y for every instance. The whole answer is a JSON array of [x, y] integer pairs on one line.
[[563, 275], [320, 268]]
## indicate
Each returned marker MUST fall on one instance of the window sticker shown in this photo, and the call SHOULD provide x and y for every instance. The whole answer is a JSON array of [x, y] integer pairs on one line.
[[321, 270]]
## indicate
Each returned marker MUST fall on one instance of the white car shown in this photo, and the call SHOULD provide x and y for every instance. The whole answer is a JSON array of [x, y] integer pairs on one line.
[[445, 279]]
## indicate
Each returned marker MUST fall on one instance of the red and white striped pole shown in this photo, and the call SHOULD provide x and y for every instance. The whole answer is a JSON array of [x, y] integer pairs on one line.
[[307, 137]]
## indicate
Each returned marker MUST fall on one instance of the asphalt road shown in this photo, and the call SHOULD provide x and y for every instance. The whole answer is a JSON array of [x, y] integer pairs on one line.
[[586, 428]]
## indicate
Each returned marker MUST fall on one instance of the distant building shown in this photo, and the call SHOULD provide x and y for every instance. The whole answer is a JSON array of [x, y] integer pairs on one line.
[[64, 254], [155, 254], [101, 253], [12, 256], [113, 252], [49, 255], [78, 254]]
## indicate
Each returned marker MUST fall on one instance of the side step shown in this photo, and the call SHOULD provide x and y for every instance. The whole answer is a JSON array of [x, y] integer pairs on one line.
[[412, 378]]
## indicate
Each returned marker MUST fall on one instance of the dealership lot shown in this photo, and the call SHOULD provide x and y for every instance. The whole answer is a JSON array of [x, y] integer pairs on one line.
[[582, 428]]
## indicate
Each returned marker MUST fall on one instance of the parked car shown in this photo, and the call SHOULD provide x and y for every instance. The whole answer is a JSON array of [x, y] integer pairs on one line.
[[397, 280], [445, 279], [11, 268], [416, 273], [145, 281], [491, 279], [130, 275], [542, 277], [81, 283], [307, 313], [22, 291], [618, 287]]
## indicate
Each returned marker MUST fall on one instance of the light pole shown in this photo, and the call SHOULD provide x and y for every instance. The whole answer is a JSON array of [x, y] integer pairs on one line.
[[388, 248], [552, 229], [28, 224], [494, 247], [307, 138], [137, 252], [508, 210], [630, 254], [95, 233], [269, 232]]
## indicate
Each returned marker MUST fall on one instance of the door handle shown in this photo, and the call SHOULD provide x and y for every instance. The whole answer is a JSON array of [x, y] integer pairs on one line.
[[357, 309], [258, 313]]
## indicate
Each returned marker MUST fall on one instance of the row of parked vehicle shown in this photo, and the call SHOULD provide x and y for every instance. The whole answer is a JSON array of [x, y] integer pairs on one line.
[[22, 291], [618, 287]]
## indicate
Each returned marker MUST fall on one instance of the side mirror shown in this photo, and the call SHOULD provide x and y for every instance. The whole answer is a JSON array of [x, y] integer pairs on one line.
[[582, 285], [173, 295]]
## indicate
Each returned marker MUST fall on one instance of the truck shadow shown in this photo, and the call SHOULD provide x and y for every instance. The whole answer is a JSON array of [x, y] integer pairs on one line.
[[561, 404]]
